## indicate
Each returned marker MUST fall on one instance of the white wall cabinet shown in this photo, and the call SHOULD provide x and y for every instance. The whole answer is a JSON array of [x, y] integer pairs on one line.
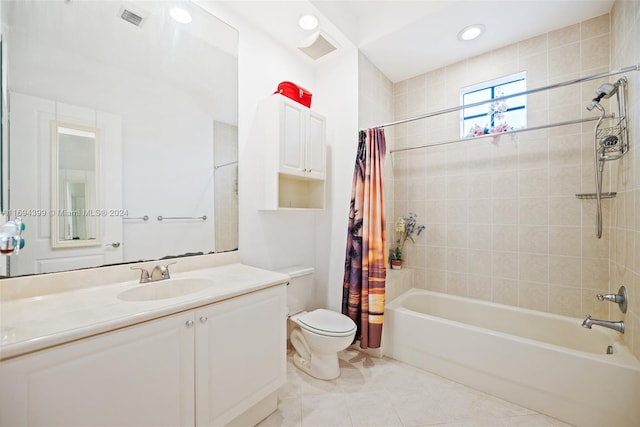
[[292, 140], [202, 367]]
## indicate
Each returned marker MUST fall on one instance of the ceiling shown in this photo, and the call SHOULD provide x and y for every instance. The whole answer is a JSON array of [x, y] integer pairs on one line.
[[407, 38]]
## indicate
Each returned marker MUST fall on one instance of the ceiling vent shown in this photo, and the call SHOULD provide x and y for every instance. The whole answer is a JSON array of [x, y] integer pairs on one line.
[[131, 17], [317, 45]]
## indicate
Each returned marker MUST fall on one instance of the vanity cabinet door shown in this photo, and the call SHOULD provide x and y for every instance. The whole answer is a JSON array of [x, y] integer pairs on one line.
[[141, 375], [240, 354]]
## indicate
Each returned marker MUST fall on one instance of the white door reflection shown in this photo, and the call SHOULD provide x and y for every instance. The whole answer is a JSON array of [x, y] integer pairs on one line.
[[75, 193]]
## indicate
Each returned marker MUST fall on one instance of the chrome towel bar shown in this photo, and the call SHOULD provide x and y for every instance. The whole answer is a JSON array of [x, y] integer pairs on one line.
[[144, 218], [162, 218]]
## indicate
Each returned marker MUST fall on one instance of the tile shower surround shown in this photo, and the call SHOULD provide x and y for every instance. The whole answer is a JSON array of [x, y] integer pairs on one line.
[[503, 222]]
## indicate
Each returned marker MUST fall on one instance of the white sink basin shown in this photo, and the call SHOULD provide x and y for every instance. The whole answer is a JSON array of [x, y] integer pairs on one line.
[[169, 288]]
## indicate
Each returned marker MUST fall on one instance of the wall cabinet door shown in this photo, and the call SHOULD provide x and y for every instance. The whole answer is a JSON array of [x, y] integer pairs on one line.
[[302, 140], [141, 375], [292, 138], [240, 354], [315, 146]]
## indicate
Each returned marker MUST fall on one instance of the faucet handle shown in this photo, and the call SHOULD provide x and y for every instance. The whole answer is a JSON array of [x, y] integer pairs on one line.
[[164, 269], [620, 298], [144, 274]]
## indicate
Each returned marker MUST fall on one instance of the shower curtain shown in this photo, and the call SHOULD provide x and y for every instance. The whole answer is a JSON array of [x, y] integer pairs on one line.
[[365, 267]]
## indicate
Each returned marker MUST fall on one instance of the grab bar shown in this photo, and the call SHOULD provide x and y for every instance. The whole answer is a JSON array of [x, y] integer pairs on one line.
[[162, 218]]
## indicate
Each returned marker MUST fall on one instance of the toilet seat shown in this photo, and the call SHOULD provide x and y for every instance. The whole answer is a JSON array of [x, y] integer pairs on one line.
[[327, 323]]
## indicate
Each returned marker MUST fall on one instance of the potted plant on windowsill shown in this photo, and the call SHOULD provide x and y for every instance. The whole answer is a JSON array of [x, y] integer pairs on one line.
[[406, 227]]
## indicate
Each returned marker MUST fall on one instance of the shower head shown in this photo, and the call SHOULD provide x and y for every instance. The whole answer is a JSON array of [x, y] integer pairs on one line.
[[605, 91]]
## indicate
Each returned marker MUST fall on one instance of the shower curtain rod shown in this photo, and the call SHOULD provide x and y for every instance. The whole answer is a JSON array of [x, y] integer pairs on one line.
[[539, 89], [473, 138]]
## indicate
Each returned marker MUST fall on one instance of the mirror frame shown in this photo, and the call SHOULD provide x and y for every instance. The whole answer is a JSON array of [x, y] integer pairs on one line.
[[57, 212]]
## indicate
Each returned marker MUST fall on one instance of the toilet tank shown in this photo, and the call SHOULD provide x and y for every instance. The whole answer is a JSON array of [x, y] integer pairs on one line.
[[300, 291]]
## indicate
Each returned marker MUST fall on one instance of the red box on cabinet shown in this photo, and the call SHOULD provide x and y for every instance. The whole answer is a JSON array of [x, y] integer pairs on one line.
[[295, 92]]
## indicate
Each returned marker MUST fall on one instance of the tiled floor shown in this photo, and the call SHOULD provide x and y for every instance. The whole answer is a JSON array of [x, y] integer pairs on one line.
[[384, 392]]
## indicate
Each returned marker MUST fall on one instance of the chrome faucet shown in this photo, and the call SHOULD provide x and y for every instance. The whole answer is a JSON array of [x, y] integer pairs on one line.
[[159, 272], [616, 326]]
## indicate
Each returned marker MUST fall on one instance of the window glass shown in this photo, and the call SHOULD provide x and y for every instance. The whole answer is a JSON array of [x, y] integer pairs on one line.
[[497, 116]]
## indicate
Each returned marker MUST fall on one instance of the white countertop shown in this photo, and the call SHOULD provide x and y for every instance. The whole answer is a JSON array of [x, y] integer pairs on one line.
[[35, 323]]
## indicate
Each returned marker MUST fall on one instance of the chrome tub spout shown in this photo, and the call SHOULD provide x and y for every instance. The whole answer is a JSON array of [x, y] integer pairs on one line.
[[616, 326]]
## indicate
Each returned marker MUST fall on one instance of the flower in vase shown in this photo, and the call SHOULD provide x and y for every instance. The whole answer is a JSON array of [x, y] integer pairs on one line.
[[406, 228]]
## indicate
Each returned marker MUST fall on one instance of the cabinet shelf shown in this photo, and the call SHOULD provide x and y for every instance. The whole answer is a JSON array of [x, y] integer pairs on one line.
[[300, 193]]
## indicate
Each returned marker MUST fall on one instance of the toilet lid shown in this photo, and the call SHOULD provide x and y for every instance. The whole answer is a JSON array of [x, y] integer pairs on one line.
[[326, 322]]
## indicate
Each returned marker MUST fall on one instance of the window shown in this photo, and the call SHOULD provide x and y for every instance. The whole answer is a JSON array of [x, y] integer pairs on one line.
[[497, 116]]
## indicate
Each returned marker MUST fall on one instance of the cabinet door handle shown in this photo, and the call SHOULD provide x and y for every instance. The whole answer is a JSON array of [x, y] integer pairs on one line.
[[189, 323], [203, 319]]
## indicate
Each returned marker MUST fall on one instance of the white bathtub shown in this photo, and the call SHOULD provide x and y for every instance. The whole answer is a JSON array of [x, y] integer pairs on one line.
[[544, 362]]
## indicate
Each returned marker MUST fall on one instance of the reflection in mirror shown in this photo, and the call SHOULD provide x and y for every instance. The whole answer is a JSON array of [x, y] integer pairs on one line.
[[75, 204], [162, 97], [75, 211], [225, 159]]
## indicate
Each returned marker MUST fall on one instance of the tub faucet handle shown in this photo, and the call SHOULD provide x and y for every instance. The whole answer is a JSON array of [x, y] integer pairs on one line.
[[610, 297], [620, 298]]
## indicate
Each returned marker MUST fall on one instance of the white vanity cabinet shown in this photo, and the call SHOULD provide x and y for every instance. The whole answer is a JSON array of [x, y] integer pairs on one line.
[[240, 354], [292, 142], [202, 367], [141, 375]]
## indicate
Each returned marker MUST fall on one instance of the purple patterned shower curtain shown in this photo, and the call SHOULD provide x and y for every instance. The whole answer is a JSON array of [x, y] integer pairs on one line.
[[365, 266]]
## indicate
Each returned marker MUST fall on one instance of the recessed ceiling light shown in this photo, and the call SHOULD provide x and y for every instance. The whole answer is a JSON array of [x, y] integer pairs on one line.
[[180, 15], [471, 32], [308, 22]]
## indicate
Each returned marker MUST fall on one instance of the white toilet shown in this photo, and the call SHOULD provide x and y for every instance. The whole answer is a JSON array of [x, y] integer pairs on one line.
[[317, 335]]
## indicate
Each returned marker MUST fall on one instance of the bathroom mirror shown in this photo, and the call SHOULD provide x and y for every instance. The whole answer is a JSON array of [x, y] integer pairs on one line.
[[160, 99], [75, 211]]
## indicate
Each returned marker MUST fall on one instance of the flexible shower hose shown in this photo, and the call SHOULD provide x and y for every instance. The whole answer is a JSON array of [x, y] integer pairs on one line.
[[598, 166]]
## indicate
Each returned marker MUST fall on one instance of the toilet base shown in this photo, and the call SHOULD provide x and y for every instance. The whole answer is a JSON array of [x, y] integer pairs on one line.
[[316, 353], [321, 366]]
